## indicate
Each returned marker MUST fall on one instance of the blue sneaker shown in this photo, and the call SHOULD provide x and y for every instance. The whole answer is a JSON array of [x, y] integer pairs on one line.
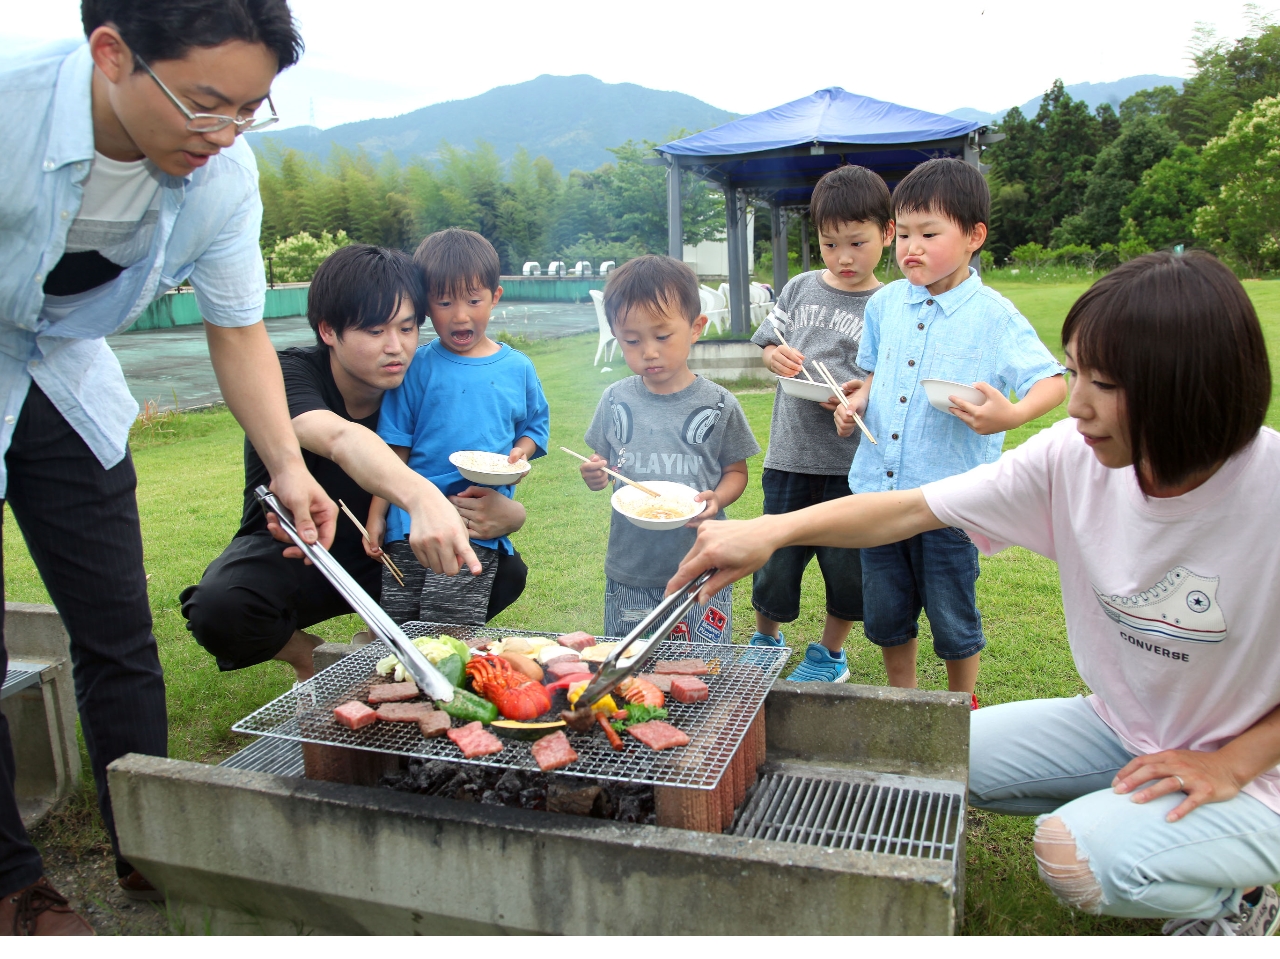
[[820, 665], [764, 639]]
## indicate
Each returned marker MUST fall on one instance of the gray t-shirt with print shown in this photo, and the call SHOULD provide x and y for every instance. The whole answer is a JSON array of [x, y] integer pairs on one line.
[[685, 437], [824, 324]]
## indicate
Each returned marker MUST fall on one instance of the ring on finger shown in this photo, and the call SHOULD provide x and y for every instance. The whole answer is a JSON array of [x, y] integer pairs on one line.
[[1181, 785]]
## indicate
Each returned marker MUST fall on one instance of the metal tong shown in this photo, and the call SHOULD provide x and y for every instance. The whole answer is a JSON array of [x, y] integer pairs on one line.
[[673, 609], [429, 679]]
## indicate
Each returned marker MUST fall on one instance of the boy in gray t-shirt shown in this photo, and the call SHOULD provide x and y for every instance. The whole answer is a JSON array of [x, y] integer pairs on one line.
[[665, 423], [819, 314]]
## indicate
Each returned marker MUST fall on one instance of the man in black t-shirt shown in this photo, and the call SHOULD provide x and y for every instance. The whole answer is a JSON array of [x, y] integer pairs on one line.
[[256, 599]]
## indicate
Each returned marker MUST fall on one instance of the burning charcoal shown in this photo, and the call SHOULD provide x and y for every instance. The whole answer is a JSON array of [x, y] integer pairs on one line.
[[630, 809], [533, 798], [508, 787], [431, 776], [397, 780], [491, 797], [574, 801]]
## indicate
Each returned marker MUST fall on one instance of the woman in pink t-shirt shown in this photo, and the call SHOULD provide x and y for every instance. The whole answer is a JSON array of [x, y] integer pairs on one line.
[[1158, 795]]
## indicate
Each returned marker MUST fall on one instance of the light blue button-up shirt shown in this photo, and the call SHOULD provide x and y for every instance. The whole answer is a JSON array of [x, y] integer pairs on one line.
[[968, 334], [207, 232]]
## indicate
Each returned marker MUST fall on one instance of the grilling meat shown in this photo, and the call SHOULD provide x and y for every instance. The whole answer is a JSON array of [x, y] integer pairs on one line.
[[474, 741], [578, 640], [658, 735], [662, 681], [681, 667], [434, 723], [580, 719], [554, 752], [392, 693], [355, 715], [562, 668], [689, 689], [403, 712]]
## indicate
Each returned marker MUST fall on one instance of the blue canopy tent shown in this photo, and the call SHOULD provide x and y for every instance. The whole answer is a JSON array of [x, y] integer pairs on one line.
[[778, 155]]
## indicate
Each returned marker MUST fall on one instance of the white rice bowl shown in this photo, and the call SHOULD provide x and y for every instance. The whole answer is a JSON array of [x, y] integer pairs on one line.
[[632, 503], [488, 469]]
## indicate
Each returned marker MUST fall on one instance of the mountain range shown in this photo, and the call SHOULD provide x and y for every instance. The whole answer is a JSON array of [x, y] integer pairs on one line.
[[574, 120], [1094, 94], [570, 120]]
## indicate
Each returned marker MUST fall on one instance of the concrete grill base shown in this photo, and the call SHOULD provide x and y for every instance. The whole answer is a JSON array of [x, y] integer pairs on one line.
[[248, 852]]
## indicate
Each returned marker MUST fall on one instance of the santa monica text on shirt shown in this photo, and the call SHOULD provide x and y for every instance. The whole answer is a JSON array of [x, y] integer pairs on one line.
[[814, 314], [673, 464], [1153, 648]]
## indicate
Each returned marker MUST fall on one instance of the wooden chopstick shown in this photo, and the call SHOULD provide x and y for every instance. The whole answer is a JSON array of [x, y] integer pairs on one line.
[[844, 400], [639, 486], [392, 568]]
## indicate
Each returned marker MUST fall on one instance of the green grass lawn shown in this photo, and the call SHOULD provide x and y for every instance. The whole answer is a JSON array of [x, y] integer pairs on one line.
[[189, 493]]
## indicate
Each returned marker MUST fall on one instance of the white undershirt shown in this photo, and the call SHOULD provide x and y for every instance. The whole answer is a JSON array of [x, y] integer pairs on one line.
[[119, 210]]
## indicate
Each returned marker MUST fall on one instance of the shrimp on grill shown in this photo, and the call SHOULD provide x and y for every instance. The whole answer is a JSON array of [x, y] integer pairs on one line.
[[637, 690]]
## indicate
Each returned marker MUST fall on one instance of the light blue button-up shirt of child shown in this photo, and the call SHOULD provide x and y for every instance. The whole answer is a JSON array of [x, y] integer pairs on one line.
[[968, 334], [207, 231]]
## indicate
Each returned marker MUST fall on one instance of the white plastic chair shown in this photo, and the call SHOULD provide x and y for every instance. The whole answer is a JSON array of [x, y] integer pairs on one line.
[[606, 335], [713, 307], [532, 268], [761, 303]]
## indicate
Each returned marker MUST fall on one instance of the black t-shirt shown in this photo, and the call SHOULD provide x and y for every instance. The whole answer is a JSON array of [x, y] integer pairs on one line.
[[309, 385]]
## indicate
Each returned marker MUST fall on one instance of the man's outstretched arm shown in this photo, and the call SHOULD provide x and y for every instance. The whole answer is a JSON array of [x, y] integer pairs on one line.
[[436, 532], [249, 376]]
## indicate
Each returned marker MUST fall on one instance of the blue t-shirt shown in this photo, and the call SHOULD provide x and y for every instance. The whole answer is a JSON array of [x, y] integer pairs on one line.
[[449, 403], [968, 334]]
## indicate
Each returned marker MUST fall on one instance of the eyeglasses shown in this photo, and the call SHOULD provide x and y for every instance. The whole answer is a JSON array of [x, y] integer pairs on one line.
[[212, 122]]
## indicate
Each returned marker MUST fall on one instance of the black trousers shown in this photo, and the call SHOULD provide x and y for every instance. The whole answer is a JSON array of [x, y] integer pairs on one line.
[[80, 523], [251, 599]]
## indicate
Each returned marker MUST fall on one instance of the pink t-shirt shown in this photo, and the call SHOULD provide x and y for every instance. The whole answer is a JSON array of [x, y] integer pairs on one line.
[[1172, 605]]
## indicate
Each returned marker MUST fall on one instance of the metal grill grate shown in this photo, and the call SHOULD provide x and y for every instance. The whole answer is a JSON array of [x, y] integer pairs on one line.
[[889, 814], [715, 727], [20, 675], [268, 755]]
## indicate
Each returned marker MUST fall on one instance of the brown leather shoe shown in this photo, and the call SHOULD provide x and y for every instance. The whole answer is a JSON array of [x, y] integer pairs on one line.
[[40, 910], [136, 886]]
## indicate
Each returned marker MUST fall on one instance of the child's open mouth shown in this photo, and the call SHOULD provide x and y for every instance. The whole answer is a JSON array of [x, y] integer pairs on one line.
[[462, 337]]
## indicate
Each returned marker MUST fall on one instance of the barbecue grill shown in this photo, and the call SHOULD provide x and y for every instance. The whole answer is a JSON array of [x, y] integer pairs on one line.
[[742, 676]]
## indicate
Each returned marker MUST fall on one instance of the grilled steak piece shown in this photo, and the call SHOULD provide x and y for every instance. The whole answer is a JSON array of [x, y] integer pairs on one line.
[[392, 693], [660, 680], [554, 752], [434, 723], [355, 715], [689, 689], [403, 712], [578, 640], [658, 735], [474, 741], [560, 668], [681, 667]]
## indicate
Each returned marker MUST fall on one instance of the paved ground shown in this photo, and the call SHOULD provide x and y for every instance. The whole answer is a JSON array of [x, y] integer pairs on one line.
[[162, 365]]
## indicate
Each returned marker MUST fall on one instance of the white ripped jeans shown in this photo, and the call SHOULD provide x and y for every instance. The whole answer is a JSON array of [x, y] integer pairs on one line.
[[1055, 757]]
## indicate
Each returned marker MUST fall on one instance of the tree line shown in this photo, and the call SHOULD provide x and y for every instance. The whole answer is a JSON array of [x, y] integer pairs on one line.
[[525, 208], [1187, 168]]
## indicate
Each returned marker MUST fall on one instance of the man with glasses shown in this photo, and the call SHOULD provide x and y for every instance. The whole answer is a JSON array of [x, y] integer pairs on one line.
[[121, 176]]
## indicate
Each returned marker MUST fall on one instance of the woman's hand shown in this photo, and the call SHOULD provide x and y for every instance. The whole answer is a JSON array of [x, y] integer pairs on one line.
[[736, 548], [592, 474], [1204, 777], [486, 513]]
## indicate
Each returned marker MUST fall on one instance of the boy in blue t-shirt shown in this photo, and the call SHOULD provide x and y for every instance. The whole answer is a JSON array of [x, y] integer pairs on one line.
[[463, 391], [938, 323]]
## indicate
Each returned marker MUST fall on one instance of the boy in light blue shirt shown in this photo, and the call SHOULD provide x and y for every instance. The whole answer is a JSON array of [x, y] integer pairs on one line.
[[940, 322], [463, 391]]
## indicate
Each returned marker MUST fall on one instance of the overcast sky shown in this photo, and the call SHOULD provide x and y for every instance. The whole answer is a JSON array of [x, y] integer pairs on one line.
[[393, 56]]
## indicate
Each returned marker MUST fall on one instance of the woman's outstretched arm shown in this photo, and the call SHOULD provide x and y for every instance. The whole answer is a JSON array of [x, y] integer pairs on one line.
[[739, 548]]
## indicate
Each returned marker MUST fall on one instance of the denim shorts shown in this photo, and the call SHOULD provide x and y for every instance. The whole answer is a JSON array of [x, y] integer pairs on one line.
[[936, 571], [775, 588], [625, 606]]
